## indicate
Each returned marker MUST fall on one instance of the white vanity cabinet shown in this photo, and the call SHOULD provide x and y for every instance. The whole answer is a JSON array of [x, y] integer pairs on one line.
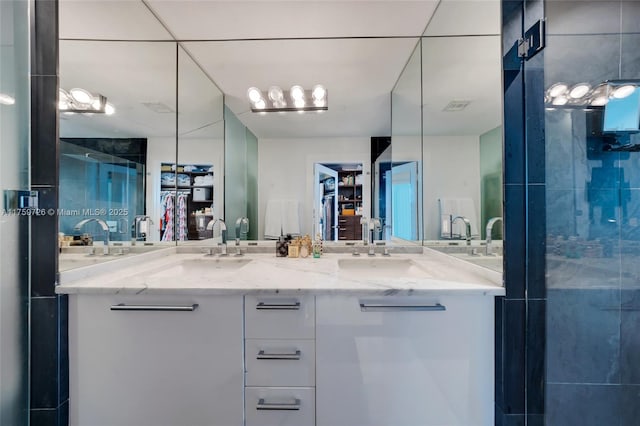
[[162, 360], [404, 361]]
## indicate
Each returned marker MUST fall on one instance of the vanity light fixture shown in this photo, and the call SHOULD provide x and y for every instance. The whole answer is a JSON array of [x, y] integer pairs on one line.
[[583, 96], [78, 100], [6, 99], [295, 99]]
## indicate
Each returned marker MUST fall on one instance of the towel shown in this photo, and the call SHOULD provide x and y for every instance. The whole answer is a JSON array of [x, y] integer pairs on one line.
[[282, 216], [452, 207]]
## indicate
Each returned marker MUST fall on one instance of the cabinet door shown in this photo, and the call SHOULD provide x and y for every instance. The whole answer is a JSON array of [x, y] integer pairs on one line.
[[404, 361], [163, 367]]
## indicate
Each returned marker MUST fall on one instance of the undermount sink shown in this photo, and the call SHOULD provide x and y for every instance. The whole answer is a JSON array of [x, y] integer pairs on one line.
[[206, 266], [381, 268]]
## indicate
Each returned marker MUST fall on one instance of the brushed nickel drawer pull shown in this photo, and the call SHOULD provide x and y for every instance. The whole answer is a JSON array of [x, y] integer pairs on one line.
[[277, 406], [158, 308], [294, 306], [372, 307], [265, 355]]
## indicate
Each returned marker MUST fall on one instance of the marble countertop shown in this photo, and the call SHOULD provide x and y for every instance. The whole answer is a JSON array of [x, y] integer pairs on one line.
[[172, 270]]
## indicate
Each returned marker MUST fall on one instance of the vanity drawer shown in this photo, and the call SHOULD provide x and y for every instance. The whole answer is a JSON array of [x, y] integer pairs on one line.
[[280, 406], [280, 362], [279, 317]]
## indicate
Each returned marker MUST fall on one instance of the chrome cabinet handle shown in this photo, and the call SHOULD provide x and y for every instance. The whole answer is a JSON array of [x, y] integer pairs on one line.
[[374, 307], [167, 308], [277, 406], [293, 355], [294, 306]]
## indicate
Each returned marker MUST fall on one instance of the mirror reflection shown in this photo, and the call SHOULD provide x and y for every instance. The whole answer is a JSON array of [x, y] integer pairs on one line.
[[182, 153]]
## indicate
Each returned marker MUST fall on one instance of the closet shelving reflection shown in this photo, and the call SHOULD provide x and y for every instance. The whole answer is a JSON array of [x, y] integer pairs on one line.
[[187, 201]]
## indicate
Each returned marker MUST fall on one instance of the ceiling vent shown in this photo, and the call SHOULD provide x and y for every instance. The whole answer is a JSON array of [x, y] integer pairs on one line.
[[454, 106], [159, 107]]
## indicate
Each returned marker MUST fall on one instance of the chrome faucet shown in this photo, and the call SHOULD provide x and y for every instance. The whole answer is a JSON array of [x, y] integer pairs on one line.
[[242, 227], [467, 226], [374, 226], [104, 227], [488, 230], [223, 234]]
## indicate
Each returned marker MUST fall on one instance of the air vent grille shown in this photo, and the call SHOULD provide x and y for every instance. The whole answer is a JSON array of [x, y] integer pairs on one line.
[[456, 105]]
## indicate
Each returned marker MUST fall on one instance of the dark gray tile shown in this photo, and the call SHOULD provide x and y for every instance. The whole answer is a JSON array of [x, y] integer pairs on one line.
[[499, 349], [49, 352], [512, 14], [583, 336], [536, 241], [44, 51], [536, 320], [535, 119], [513, 358], [44, 246], [629, 405], [44, 417], [584, 405], [514, 241], [629, 332], [579, 17], [535, 419], [44, 130], [514, 164]]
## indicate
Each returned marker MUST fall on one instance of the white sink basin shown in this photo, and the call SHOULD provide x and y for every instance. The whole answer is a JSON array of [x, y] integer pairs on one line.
[[381, 268], [206, 266]]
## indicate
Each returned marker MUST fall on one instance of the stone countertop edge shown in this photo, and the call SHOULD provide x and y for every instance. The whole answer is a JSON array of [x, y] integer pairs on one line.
[[276, 276]]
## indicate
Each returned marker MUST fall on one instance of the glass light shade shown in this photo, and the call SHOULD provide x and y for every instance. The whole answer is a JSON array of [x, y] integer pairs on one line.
[[6, 99], [260, 104], [275, 94], [624, 91], [109, 109], [81, 96], [557, 90], [299, 103], [297, 93], [254, 94], [579, 90], [319, 103], [319, 92]]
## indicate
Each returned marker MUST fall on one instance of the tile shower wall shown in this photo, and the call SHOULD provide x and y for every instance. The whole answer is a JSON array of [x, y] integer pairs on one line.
[[593, 225]]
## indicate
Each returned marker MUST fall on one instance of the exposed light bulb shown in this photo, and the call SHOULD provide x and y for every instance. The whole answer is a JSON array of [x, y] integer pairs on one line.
[[557, 90], [254, 94], [319, 92], [600, 101], [624, 91], [275, 94], [81, 96], [297, 93], [560, 100], [579, 90], [109, 109], [6, 99], [299, 103]]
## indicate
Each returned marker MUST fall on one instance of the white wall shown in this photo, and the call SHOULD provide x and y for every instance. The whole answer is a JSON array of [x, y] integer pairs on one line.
[[192, 151], [285, 170], [451, 170]]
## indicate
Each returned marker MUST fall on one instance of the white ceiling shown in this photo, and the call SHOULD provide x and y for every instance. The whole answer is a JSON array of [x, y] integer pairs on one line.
[[358, 72]]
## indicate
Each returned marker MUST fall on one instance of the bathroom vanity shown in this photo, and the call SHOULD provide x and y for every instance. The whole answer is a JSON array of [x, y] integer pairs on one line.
[[179, 338]]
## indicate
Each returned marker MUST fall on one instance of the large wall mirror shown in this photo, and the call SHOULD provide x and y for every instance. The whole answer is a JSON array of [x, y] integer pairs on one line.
[[183, 148]]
